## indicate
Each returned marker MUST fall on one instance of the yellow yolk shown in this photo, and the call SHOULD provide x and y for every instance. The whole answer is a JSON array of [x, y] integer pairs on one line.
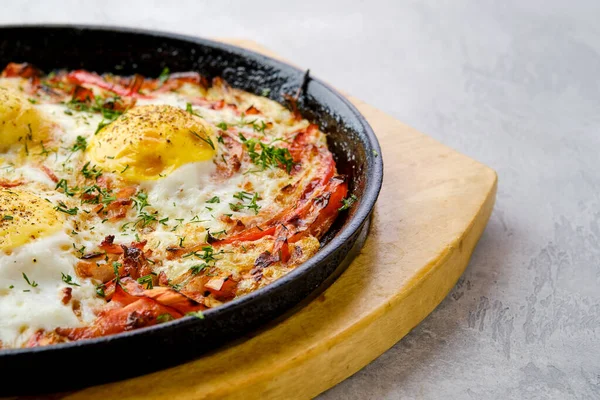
[[149, 142], [25, 217], [19, 120]]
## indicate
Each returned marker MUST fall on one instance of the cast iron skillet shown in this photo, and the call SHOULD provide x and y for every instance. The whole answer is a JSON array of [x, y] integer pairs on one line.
[[127, 51]]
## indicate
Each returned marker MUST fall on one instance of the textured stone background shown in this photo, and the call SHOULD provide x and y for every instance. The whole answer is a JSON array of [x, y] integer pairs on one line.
[[514, 84]]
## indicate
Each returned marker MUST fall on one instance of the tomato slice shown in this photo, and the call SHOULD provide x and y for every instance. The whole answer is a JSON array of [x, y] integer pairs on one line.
[[85, 77]]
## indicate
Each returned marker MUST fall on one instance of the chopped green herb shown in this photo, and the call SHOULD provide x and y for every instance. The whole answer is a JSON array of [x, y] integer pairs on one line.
[[140, 201], [94, 194], [68, 279], [146, 280], [166, 317], [207, 139], [213, 200], [197, 314], [259, 127], [92, 172], [190, 109], [269, 155], [145, 219], [62, 184], [236, 206], [80, 250], [31, 283], [222, 125], [163, 221], [243, 196], [116, 266], [44, 151], [62, 207], [348, 202], [80, 144], [207, 254], [197, 219], [7, 217], [196, 269], [100, 290], [164, 75]]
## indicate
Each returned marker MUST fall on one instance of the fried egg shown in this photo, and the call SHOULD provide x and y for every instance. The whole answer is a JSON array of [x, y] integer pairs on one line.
[[32, 289], [25, 217], [149, 142], [20, 121], [36, 262]]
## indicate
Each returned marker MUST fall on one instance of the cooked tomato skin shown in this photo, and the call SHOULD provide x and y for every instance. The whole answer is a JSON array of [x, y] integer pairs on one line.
[[131, 307]]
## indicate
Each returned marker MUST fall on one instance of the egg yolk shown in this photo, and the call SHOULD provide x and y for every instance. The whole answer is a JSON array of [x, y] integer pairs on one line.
[[19, 120], [149, 142], [25, 217]]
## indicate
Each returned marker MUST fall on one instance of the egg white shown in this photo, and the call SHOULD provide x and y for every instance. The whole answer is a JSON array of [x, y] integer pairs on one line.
[[24, 308]]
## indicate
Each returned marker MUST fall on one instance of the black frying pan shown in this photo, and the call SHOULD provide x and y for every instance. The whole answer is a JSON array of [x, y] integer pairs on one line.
[[126, 51]]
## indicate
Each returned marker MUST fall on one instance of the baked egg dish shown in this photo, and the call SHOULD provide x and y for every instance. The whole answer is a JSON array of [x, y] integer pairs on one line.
[[127, 202]]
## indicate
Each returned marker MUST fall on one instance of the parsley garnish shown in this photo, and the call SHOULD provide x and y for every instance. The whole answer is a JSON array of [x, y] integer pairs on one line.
[[196, 269], [259, 128], [62, 207], [80, 144], [101, 196], [207, 254], [108, 116], [222, 125], [207, 139], [31, 283], [245, 196], [215, 199], [146, 280], [189, 109], [145, 219], [68, 279], [166, 317], [62, 184], [197, 314], [140, 201], [100, 290], [348, 202], [92, 172], [269, 155], [8, 217], [79, 250], [164, 75], [116, 266]]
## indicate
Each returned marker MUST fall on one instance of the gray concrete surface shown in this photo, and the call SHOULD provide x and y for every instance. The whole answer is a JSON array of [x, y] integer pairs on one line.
[[514, 84]]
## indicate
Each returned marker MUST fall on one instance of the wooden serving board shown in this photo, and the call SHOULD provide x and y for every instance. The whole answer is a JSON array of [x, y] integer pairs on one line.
[[432, 210]]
